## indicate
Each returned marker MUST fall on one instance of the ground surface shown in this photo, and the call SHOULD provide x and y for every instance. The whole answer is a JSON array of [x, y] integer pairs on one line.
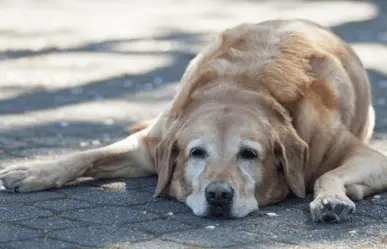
[[74, 74]]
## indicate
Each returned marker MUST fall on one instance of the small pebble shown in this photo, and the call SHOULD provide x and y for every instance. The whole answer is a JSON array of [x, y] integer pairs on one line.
[[169, 213], [144, 212], [271, 214], [352, 232], [210, 227], [376, 197]]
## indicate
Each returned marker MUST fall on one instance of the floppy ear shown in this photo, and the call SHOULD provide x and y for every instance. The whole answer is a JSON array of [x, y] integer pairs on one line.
[[165, 160], [293, 153]]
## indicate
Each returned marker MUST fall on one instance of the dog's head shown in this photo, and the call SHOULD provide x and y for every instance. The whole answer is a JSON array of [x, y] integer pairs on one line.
[[227, 155]]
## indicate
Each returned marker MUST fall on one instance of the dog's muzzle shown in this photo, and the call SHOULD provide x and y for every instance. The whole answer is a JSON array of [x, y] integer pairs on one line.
[[219, 196]]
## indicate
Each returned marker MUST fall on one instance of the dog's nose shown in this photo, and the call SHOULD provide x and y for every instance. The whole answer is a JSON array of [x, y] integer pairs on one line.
[[219, 193]]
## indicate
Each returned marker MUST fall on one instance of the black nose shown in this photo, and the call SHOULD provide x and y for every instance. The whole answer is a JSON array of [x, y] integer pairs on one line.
[[219, 194]]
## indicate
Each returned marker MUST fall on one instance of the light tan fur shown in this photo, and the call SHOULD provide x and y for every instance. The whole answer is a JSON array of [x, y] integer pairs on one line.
[[291, 86]]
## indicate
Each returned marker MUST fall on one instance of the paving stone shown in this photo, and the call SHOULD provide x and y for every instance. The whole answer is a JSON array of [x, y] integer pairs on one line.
[[66, 85], [152, 244], [9, 232], [310, 234], [142, 182], [121, 185], [44, 152], [6, 196], [217, 237], [370, 208], [51, 223], [41, 243], [100, 235], [53, 141], [62, 204], [270, 244], [377, 229], [12, 143], [165, 207], [129, 197], [161, 226], [78, 189], [18, 211], [109, 215]]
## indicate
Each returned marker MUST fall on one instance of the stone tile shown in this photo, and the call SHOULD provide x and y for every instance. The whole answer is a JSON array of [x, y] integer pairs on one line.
[[120, 185], [129, 197], [109, 215], [10, 143], [164, 207], [62, 204], [141, 182], [217, 237], [270, 244], [39, 243], [9, 232], [6, 196], [307, 234], [56, 141], [51, 223], [18, 211], [161, 226], [377, 229], [43, 152], [151, 244], [369, 208], [115, 185], [78, 188], [101, 235]]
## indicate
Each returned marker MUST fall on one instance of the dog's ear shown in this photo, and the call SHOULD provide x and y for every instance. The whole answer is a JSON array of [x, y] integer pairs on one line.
[[165, 155], [293, 154]]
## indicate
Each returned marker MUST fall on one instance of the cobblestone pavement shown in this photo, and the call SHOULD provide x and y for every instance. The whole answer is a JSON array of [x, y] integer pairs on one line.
[[74, 74]]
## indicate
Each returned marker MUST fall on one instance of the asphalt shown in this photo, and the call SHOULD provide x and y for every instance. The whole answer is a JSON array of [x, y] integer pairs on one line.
[[74, 74]]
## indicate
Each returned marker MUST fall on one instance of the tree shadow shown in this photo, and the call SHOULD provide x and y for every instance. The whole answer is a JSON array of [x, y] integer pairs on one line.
[[109, 88]]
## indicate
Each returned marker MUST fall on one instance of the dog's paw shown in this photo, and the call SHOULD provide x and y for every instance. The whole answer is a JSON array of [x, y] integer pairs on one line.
[[331, 208], [27, 178]]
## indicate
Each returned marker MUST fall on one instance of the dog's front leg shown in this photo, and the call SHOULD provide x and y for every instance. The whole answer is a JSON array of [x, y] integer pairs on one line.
[[127, 158], [363, 172]]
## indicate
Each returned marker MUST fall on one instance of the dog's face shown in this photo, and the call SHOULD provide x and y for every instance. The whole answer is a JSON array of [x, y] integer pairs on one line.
[[227, 160]]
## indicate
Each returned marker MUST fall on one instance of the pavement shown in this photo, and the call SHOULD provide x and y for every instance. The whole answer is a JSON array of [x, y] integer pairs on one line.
[[74, 74]]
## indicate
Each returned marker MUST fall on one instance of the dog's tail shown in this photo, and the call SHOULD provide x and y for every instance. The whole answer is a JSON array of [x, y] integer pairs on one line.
[[139, 126]]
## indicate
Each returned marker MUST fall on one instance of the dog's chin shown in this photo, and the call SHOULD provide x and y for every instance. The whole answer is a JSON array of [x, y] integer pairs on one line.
[[221, 213]]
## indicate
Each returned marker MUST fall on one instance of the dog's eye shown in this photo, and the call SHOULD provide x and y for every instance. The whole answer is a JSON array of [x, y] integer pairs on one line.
[[198, 153], [247, 154]]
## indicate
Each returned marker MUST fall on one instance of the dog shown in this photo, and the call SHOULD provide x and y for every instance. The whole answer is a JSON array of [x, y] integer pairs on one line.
[[264, 111]]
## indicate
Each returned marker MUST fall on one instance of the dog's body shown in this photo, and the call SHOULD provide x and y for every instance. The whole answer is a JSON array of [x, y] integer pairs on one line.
[[266, 109]]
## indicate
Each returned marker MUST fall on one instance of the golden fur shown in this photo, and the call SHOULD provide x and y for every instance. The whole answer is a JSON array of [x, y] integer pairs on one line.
[[289, 87]]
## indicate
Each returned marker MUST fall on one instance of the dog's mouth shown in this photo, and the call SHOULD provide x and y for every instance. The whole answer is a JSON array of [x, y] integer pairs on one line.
[[219, 212]]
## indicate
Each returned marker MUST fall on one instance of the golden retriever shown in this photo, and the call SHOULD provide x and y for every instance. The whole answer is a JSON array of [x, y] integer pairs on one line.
[[265, 110]]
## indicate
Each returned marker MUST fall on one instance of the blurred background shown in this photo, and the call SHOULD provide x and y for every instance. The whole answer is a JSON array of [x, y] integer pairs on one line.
[[75, 73]]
